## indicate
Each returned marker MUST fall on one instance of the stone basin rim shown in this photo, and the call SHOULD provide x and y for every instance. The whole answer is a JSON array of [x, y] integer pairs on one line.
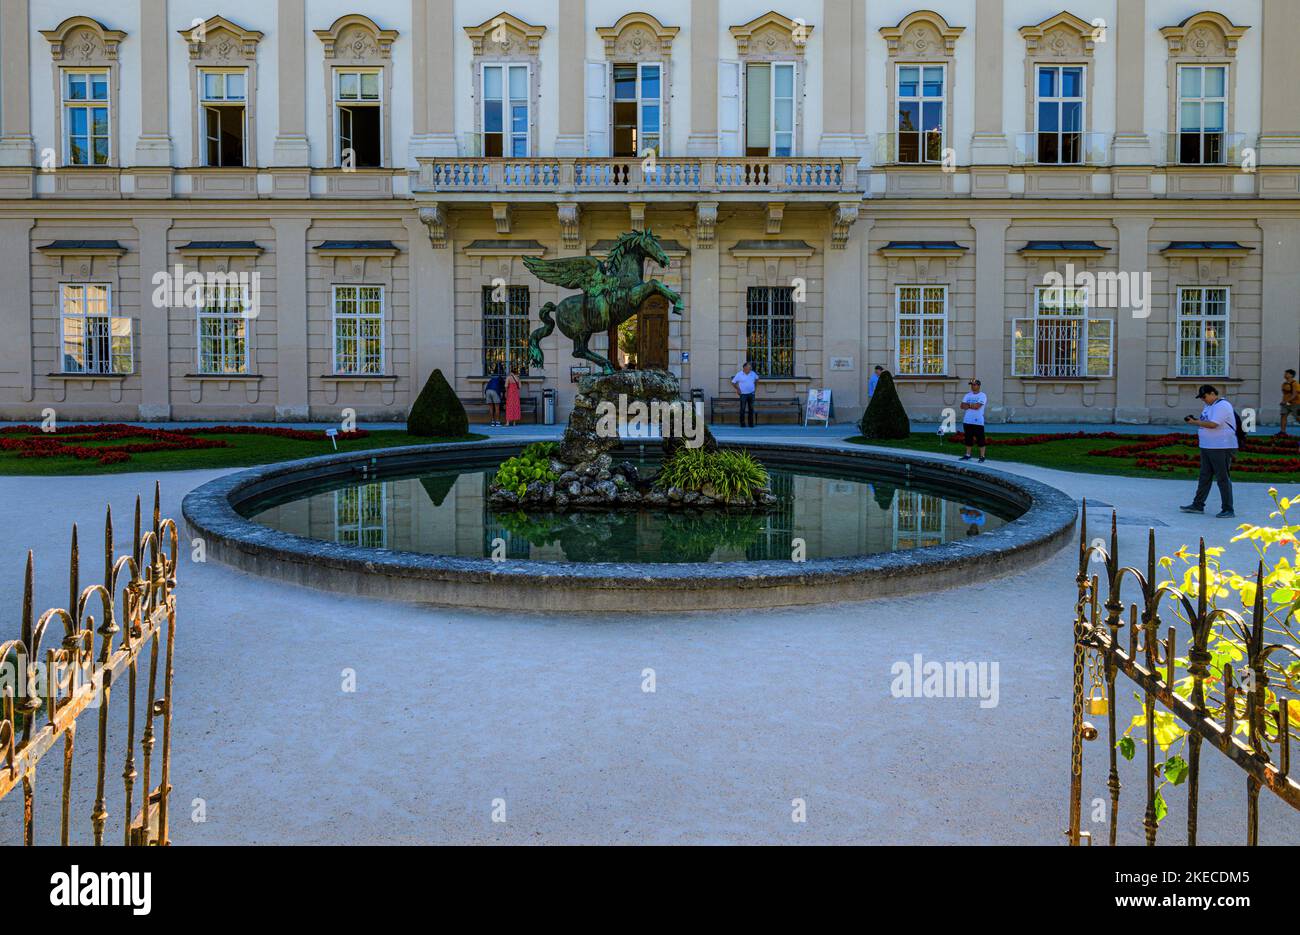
[[211, 512]]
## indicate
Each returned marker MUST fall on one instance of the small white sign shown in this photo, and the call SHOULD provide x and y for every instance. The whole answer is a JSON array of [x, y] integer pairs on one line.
[[332, 435], [841, 363], [818, 408]]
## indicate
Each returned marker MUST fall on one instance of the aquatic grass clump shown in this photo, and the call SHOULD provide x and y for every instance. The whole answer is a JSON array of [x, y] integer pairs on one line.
[[723, 474]]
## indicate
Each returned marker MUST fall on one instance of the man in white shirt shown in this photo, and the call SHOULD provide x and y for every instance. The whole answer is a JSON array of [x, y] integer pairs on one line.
[[1216, 434], [973, 405], [746, 383]]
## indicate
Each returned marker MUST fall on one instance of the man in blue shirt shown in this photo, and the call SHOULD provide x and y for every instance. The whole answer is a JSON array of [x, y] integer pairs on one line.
[[875, 378], [1216, 434]]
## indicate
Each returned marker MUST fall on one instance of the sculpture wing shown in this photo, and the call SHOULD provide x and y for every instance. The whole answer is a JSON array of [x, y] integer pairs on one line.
[[574, 272]]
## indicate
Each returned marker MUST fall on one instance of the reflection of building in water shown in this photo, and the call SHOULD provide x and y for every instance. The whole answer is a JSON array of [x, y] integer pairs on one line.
[[920, 519], [361, 515], [774, 541]]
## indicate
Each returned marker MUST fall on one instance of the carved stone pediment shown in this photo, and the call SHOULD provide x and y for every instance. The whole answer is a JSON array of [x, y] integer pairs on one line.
[[505, 34], [1205, 35], [356, 38], [218, 41], [920, 35], [638, 37], [80, 40], [772, 35], [1063, 36]]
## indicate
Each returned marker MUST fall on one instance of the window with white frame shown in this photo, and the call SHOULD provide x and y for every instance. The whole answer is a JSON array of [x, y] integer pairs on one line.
[[358, 113], [637, 108], [361, 515], [86, 116], [223, 329], [505, 329], [1203, 331], [769, 108], [920, 113], [94, 340], [921, 321], [505, 110], [359, 329], [223, 100], [1060, 114], [1202, 113], [1061, 341], [770, 330]]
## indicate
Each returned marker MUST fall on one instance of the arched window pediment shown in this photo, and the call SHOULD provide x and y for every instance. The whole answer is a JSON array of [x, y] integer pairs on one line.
[[921, 34], [1204, 35], [772, 33], [1063, 36], [636, 36], [220, 39], [82, 39], [356, 36], [505, 34]]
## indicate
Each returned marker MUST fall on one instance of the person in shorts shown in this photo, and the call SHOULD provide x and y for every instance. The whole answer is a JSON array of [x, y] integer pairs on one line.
[[1290, 399], [492, 393], [973, 405]]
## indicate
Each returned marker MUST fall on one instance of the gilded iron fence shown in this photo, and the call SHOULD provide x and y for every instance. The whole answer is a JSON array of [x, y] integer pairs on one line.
[[1215, 703], [41, 699]]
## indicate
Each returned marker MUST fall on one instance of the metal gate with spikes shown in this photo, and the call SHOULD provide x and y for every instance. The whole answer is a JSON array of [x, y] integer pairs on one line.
[[41, 698], [1211, 700]]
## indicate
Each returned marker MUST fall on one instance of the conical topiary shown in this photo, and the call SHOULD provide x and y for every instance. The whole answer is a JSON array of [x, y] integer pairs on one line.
[[885, 416], [436, 411]]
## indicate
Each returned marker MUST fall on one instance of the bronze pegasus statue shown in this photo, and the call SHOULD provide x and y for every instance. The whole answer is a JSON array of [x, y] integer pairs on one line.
[[611, 292]]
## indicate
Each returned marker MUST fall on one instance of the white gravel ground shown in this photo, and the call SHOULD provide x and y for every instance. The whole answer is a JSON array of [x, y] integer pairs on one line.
[[455, 709]]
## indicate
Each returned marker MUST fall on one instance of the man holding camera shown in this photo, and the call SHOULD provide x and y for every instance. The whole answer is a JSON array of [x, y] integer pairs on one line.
[[1216, 432]]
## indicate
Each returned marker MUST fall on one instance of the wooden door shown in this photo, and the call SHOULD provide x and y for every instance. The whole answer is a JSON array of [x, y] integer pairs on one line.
[[652, 334]]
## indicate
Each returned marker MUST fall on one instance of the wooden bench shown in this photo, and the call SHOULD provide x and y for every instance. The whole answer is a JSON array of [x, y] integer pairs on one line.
[[790, 406], [477, 405]]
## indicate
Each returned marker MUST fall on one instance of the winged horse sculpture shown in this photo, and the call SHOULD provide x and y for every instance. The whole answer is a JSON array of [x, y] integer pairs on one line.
[[612, 291]]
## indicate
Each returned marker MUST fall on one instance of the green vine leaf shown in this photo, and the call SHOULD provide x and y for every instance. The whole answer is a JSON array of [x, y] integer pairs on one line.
[[1162, 808], [1127, 747], [1176, 769]]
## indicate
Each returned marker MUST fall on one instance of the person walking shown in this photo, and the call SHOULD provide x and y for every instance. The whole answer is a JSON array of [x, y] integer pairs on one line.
[[1290, 399], [973, 405], [1216, 435], [513, 414], [492, 394], [875, 379], [746, 383]]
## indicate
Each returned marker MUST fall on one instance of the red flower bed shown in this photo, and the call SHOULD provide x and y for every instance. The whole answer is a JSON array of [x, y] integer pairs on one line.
[[31, 441], [1144, 449]]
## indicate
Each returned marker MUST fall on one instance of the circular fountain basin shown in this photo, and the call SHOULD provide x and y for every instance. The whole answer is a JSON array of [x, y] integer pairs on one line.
[[414, 523]]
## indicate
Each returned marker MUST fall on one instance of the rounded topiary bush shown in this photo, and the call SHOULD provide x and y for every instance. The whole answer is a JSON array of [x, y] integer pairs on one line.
[[436, 412], [885, 416]]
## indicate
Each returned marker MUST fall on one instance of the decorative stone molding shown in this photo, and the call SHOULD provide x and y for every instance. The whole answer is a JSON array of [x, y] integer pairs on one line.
[[1063, 36], [638, 37], [846, 213], [921, 35], [357, 38], [505, 34], [218, 41], [80, 40], [1204, 35], [501, 214], [706, 222], [570, 215], [775, 214], [774, 35], [636, 213], [434, 217]]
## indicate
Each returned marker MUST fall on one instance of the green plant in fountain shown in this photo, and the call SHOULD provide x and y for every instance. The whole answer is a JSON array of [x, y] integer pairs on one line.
[[531, 464], [1278, 551], [725, 474]]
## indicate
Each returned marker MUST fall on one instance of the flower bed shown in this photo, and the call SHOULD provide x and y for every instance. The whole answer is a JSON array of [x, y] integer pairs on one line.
[[1145, 450], [85, 442]]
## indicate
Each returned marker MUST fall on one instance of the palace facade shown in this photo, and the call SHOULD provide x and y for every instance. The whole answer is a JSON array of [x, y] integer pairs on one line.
[[288, 210]]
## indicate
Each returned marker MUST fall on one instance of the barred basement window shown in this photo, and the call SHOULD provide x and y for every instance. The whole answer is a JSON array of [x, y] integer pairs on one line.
[[360, 516], [93, 340], [771, 330], [1203, 331], [358, 329], [922, 330], [223, 329], [505, 329], [1061, 341]]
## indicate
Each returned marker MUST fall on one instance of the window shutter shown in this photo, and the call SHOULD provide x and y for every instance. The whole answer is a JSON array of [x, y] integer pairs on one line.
[[1022, 347], [729, 109], [597, 109], [1100, 347]]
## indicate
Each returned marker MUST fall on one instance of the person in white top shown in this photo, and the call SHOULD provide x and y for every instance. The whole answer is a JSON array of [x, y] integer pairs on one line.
[[973, 405], [1216, 434], [746, 383]]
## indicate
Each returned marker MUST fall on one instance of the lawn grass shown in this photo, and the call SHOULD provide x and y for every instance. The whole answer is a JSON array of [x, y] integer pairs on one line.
[[1071, 454], [242, 451]]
